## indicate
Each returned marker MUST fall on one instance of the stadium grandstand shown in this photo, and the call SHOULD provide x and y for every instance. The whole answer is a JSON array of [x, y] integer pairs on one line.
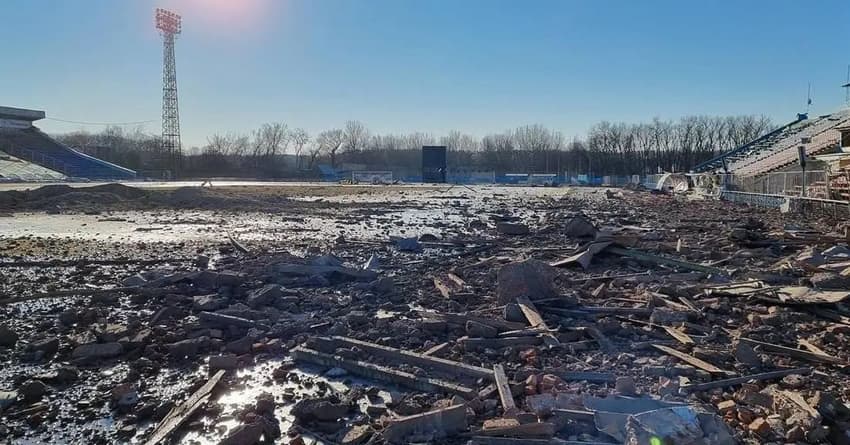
[[779, 148], [28, 154]]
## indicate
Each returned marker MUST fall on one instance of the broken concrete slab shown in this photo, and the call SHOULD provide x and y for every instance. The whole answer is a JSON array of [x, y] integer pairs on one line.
[[319, 409], [226, 362], [682, 424], [514, 229], [513, 428], [8, 337], [264, 296], [208, 302], [437, 424], [476, 329], [580, 226], [7, 399], [529, 278], [94, 351], [381, 373]]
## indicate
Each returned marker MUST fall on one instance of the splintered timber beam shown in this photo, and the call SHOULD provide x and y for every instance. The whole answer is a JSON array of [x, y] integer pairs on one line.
[[585, 311], [691, 360], [487, 440], [643, 256], [450, 367], [382, 373], [179, 415], [437, 349], [461, 319], [744, 379], [507, 398], [795, 353], [477, 344], [536, 320], [597, 377]]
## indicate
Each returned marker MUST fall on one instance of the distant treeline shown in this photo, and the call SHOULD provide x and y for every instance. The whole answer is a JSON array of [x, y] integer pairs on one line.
[[276, 150]]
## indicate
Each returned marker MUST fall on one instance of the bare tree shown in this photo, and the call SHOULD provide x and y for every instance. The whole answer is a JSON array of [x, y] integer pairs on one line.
[[300, 138], [226, 145], [270, 140], [356, 136], [330, 141]]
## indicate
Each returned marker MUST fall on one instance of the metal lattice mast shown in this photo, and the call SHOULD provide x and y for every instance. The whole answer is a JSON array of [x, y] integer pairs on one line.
[[169, 24]]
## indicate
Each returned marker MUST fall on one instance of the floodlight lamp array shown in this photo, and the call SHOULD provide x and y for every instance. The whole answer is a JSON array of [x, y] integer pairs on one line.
[[168, 22]]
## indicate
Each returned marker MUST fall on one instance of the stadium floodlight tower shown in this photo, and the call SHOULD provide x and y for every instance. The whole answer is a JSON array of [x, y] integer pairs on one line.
[[169, 25]]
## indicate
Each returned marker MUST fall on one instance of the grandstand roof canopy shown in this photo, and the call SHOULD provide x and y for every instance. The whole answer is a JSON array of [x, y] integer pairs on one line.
[[22, 114]]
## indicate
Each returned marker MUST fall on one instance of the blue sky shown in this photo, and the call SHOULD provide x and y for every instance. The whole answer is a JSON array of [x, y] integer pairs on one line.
[[478, 66]]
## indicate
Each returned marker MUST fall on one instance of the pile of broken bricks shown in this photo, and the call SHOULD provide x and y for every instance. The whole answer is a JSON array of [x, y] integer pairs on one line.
[[627, 320]]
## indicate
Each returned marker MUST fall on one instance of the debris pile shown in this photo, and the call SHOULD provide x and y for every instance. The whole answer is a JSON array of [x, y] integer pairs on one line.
[[628, 319]]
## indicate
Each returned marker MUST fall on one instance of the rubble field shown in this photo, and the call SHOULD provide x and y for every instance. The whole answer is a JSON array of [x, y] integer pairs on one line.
[[390, 314]]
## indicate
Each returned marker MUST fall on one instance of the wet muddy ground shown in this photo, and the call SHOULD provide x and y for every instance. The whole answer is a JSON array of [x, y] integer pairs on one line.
[[61, 251], [314, 218]]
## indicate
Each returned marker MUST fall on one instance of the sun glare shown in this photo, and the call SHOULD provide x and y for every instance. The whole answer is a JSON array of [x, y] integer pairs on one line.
[[223, 15]]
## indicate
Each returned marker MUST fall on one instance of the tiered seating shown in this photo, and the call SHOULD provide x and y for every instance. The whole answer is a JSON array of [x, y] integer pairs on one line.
[[756, 146], [34, 146], [822, 132], [16, 169]]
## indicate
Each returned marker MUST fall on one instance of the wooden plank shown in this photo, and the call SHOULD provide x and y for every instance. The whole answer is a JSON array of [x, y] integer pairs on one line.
[[444, 288], [594, 377], [477, 344], [512, 428], [488, 391], [444, 365], [747, 378], [795, 353], [579, 311], [487, 440], [437, 349], [505, 395], [531, 314], [691, 360], [461, 319], [381, 373], [643, 256], [180, 414], [536, 321], [457, 280], [237, 245], [811, 347], [680, 336], [801, 402], [226, 320], [574, 414], [829, 315], [690, 304]]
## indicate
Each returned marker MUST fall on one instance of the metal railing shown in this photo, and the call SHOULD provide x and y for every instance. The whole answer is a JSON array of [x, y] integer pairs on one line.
[[15, 168], [782, 183], [39, 158], [791, 204]]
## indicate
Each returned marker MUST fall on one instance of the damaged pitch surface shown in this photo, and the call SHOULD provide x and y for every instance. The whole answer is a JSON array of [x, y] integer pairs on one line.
[[109, 366]]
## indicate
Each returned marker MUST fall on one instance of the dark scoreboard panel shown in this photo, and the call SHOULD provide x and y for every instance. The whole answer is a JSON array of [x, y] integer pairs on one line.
[[433, 163]]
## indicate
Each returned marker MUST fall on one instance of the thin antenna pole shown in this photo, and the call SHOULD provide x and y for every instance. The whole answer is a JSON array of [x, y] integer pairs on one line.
[[847, 89], [809, 99]]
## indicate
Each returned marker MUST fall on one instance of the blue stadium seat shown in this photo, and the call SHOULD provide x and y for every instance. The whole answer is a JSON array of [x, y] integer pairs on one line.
[[33, 145]]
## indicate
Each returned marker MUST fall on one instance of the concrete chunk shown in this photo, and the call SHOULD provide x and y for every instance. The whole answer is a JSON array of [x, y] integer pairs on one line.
[[93, 351], [530, 278], [439, 423]]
